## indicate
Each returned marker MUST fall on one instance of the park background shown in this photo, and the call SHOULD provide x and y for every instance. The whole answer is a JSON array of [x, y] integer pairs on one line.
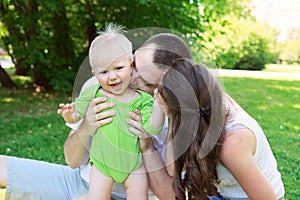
[[45, 42]]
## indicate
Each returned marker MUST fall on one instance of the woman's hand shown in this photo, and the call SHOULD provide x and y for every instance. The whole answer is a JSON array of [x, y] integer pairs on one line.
[[137, 129]]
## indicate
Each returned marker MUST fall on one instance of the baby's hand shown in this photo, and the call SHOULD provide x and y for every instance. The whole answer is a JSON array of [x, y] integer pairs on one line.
[[68, 112]]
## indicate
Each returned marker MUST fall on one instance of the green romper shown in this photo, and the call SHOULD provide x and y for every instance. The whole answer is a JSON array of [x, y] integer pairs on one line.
[[115, 151]]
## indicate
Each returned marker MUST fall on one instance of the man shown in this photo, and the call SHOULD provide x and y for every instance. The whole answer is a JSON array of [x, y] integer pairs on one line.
[[28, 179]]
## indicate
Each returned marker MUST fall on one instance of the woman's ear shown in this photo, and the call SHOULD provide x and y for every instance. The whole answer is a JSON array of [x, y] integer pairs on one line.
[[93, 72]]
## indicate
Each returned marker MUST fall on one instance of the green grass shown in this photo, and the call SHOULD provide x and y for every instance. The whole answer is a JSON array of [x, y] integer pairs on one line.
[[276, 107], [31, 128]]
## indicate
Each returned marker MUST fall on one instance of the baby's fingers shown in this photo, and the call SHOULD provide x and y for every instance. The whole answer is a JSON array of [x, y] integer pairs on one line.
[[62, 105], [59, 111]]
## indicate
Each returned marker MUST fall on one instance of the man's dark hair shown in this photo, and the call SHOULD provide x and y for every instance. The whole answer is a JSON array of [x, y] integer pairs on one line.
[[169, 47]]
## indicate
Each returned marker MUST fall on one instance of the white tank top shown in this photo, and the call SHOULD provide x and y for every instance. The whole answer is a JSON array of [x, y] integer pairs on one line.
[[228, 187]]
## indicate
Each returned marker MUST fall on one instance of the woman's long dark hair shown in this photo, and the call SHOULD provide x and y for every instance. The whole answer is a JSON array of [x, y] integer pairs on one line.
[[195, 103]]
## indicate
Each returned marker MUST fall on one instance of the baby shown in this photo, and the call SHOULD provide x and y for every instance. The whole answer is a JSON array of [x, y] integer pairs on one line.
[[115, 154]]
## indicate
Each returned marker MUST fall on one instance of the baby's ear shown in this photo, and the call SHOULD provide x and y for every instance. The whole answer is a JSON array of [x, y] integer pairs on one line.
[[132, 64], [93, 72]]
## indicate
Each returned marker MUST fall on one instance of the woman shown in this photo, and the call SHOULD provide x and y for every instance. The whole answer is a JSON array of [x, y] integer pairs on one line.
[[216, 147]]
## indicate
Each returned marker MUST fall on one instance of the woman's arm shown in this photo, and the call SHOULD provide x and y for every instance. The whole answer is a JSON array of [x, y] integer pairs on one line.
[[157, 117], [77, 145], [159, 179], [237, 156]]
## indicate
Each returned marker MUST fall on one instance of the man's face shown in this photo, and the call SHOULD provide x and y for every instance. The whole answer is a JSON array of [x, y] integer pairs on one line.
[[146, 75]]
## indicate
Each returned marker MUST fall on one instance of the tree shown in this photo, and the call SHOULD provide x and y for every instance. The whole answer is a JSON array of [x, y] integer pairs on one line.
[[5, 79], [290, 49], [50, 39], [244, 44]]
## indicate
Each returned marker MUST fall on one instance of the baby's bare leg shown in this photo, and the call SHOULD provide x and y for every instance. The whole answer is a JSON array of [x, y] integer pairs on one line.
[[136, 185], [100, 186]]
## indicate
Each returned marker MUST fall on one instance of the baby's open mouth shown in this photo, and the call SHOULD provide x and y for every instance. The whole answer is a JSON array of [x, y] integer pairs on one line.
[[116, 86]]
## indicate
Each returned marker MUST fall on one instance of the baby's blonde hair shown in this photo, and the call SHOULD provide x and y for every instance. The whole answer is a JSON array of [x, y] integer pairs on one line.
[[109, 45]]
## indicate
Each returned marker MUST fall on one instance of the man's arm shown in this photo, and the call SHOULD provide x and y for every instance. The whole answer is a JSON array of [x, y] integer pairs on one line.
[[160, 181], [78, 143], [76, 148]]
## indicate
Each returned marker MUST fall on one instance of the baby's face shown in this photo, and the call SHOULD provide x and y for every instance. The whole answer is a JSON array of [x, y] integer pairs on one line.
[[115, 77]]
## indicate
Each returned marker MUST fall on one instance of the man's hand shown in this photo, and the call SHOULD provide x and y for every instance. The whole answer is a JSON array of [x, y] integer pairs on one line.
[[96, 115]]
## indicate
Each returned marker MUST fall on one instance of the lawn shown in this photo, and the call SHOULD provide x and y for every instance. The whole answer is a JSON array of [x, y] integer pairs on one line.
[[276, 107], [31, 128]]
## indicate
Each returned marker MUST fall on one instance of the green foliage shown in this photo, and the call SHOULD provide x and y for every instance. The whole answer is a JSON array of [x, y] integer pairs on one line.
[[254, 55], [49, 39], [243, 44], [290, 51], [40, 48], [217, 18]]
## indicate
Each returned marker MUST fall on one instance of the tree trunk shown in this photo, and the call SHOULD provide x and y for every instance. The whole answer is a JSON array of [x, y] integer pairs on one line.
[[91, 30], [62, 40], [41, 81], [5, 80]]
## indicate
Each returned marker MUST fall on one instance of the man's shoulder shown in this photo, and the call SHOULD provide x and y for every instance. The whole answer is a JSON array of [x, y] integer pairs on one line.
[[91, 82]]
